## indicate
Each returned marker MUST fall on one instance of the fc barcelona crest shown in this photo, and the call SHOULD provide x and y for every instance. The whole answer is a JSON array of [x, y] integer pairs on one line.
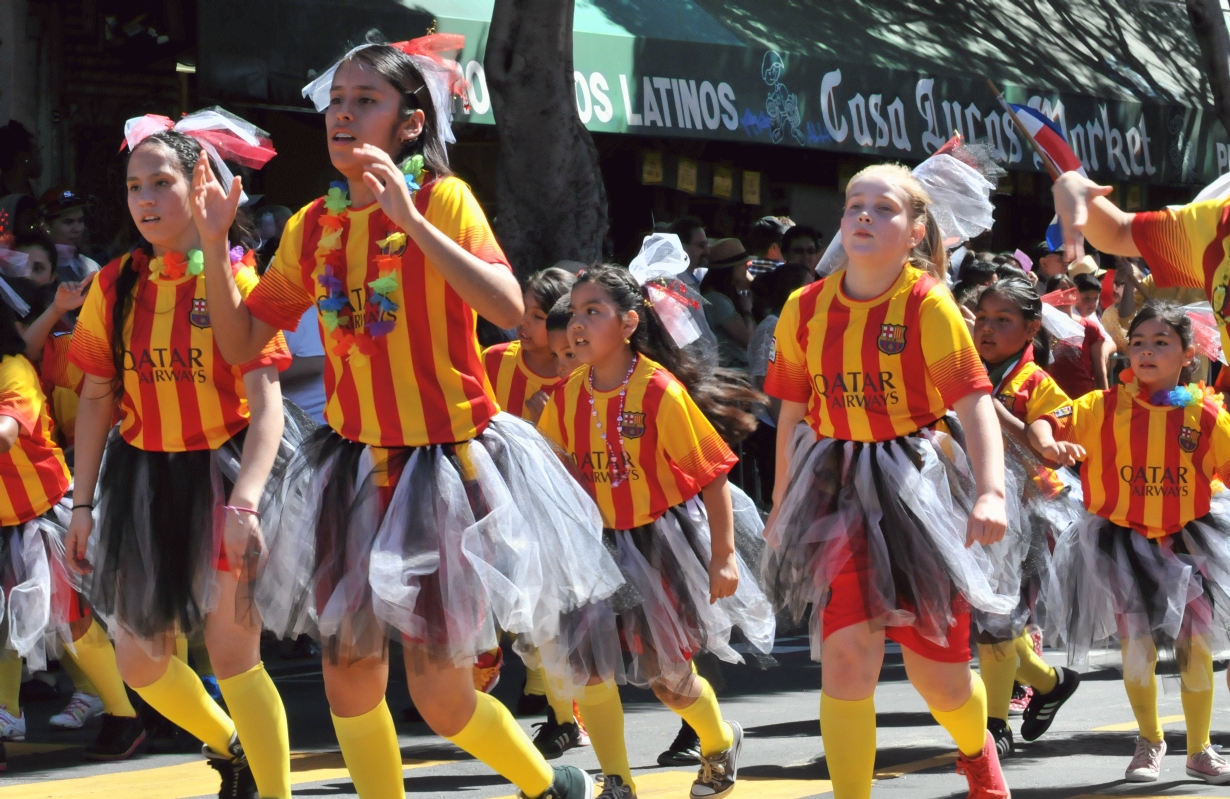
[[631, 425], [1189, 439], [892, 339], [200, 312]]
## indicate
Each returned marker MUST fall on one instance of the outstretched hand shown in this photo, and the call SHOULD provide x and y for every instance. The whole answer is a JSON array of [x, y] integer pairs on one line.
[[388, 183], [213, 206], [1073, 193]]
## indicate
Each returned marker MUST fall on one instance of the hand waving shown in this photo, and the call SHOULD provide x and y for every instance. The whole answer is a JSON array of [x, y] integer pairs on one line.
[[213, 207], [388, 184]]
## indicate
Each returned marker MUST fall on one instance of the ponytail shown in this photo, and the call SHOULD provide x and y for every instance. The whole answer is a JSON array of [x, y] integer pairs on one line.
[[723, 395]]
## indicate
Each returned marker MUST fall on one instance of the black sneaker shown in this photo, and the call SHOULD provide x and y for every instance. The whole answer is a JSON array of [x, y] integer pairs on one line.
[[614, 787], [237, 780], [570, 783], [554, 739], [1002, 734], [718, 773], [531, 705], [118, 739], [1043, 707], [684, 750]]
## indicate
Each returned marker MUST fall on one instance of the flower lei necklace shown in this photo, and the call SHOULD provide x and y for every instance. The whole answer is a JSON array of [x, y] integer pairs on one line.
[[615, 466], [336, 312], [1181, 396], [174, 265]]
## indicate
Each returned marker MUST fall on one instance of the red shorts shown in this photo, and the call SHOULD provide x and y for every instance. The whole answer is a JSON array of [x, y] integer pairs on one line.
[[847, 605]]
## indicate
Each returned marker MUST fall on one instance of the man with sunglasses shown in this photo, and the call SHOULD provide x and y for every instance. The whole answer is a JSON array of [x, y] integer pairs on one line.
[[801, 245]]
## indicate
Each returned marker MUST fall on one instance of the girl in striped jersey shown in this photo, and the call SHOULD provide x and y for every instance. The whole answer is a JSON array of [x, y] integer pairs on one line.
[[1007, 323], [432, 517], [524, 372], [649, 453], [1150, 563], [35, 508], [881, 522], [182, 482]]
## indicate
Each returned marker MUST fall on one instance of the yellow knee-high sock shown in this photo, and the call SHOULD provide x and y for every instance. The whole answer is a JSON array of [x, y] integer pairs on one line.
[[997, 666], [81, 681], [562, 707], [201, 663], [179, 695], [849, 732], [1033, 670], [967, 724], [705, 717], [372, 755], [492, 736], [260, 720], [96, 658], [535, 682], [1143, 698], [10, 681], [1198, 704], [603, 713]]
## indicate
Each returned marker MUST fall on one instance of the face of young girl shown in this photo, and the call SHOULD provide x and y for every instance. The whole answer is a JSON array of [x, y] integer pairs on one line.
[[1000, 329], [1158, 355], [565, 361], [876, 227], [42, 268], [364, 108], [158, 198], [533, 328], [598, 329]]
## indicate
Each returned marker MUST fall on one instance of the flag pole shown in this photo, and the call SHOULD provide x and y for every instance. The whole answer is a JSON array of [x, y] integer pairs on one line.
[[1051, 168]]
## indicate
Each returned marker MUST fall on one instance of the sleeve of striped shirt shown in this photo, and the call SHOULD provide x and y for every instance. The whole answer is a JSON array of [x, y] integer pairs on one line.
[[953, 364], [1079, 420], [454, 210], [550, 424], [21, 399], [1173, 242], [1046, 399], [787, 377], [56, 368], [689, 439], [1221, 445], [279, 298], [90, 349], [275, 352]]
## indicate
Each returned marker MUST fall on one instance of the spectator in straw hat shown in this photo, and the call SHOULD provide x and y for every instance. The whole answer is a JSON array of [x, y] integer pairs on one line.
[[727, 291]]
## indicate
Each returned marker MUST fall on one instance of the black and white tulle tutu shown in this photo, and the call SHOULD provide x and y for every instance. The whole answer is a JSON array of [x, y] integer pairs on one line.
[[649, 631], [443, 546], [1049, 503], [37, 585], [1163, 596], [158, 532], [905, 503]]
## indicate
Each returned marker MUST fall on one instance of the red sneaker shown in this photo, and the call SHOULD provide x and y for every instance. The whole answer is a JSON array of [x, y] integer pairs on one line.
[[487, 670], [985, 777]]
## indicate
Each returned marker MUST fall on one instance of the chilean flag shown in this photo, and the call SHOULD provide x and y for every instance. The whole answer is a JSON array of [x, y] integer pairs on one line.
[[1051, 141]]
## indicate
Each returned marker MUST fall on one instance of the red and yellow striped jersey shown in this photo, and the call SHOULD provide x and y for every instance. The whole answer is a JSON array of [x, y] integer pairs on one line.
[[33, 471], [1148, 467], [512, 378], [668, 448], [179, 392], [1030, 394], [61, 383], [424, 383], [1187, 247], [877, 369]]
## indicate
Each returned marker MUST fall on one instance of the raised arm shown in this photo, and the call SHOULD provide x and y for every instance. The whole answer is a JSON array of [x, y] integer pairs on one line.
[[1086, 213]]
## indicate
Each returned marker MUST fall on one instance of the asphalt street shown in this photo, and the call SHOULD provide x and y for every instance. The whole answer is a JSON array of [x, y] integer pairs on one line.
[[1083, 755]]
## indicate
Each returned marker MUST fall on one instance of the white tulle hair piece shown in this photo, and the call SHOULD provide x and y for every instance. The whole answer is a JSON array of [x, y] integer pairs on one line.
[[661, 259]]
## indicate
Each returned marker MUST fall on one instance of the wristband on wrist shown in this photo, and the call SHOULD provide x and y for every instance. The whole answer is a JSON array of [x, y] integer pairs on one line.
[[90, 507], [237, 509]]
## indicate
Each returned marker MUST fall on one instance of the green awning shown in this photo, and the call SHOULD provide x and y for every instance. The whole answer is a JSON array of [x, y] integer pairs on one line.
[[890, 79]]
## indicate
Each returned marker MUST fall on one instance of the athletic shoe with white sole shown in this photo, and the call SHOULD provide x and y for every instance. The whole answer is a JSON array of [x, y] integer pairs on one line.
[[569, 783], [1042, 707], [12, 728], [1209, 766], [614, 787], [1146, 765], [80, 709], [719, 772]]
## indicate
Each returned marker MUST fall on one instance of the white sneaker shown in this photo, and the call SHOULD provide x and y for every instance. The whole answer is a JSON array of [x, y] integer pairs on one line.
[[12, 728], [80, 709], [1209, 766], [1147, 762]]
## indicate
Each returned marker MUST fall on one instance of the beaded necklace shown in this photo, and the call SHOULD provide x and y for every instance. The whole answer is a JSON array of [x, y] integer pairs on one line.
[[615, 466]]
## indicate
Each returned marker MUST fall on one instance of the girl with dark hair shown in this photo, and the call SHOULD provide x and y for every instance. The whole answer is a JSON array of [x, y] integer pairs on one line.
[[874, 525], [645, 424], [182, 484], [1078, 367], [416, 458], [1007, 325], [1149, 565]]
